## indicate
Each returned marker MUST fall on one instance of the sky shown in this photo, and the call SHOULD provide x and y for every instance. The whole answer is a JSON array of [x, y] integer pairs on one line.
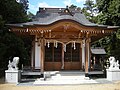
[[35, 4]]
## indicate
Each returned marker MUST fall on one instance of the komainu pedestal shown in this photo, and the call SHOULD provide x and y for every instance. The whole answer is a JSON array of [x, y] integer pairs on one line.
[[12, 76], [113, 73]]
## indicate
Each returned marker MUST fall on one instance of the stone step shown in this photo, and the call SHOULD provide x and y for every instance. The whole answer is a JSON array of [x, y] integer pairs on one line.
[[65, 78], [68, 77], [62, 80], [71, 72]]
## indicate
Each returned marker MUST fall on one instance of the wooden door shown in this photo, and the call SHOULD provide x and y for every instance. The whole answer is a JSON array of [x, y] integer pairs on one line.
[[53, 57], [73, 57]]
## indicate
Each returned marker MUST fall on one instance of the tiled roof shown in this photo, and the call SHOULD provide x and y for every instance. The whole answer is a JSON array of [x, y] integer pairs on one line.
[[49, 16], [46, 16]]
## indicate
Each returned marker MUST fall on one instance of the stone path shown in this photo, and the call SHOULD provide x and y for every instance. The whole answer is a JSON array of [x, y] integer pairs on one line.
[[68, 78]]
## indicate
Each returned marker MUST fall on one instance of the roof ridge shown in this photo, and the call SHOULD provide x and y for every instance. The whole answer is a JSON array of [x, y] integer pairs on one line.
[[41, 9]]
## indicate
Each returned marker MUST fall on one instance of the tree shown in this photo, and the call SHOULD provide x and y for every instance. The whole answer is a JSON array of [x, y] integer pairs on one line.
[[12, 12], [89, 10], [114, 11], [10, 44], [109, 11], [24, 3], [89, 5], [73, 6], [30, 16], [1, 22], [109, 14]]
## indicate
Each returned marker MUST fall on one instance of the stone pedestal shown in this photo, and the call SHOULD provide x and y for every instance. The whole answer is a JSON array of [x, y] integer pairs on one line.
[[13, 76], [113, 75]]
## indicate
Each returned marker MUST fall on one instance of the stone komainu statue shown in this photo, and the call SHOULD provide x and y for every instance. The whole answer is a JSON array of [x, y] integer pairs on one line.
[[113, 63], [14, 64]]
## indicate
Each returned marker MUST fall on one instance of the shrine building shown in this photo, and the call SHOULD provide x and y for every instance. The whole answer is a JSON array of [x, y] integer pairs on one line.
[[62, 39]]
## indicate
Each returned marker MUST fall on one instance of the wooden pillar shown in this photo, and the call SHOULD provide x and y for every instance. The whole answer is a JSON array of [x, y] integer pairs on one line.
[[42, 56], [33, 56], [89, 55], [86, 56], [81, 66]]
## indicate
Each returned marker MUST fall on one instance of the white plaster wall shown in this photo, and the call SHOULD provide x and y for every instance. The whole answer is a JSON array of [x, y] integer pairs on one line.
[[37, 56], [83, 53]]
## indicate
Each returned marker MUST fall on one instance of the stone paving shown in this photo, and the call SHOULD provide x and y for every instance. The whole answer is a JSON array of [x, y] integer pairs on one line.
[[65, 78]]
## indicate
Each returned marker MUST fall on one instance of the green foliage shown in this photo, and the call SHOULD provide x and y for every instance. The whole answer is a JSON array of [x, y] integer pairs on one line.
[[90, 11], [103, 5], [30, 16], [89, 5], [109, 14], [10, 44], [114, 11], [73, 6], [24, 3], [1, 22], [12, 12]]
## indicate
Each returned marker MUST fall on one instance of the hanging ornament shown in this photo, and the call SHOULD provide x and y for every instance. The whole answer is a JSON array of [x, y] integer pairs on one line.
[[74, 45], [27, 30], [55, 44], [48, 44], [64, 47]]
